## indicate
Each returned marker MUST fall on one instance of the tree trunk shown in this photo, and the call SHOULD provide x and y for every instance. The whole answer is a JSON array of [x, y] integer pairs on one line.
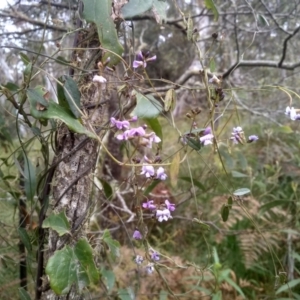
[[77, 156]]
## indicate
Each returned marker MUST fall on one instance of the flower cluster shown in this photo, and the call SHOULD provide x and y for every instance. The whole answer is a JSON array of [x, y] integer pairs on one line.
[[145, 139], [162, 212], [149, 172], [150, 266], [142, 58], [292, 113], [237, 136]]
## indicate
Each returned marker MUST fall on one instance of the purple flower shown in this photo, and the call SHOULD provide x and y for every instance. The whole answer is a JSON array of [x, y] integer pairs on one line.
[[149, 139], [150, 268], [237, 135], [163, 215], [119, 124], [133, 119], [155, 256], [137, 235], [148, 171], [123, 136], [139, 259], [160, 174], [139, 131], [141, 59], [149, 205], [131, 133], [252, 138], [207, 139], [170, 206], [291, 112]]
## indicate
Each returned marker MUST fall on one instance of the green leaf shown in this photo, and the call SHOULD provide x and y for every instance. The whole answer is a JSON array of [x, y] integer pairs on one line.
[[25, 238], [5, 131], [27, 72], [55, 111], [284, 129], [57, 222], [263, 20], [272, 204], [159, 9], [163, 295], [84, 253], [23, 294], [112, 244], [72, 266], [211, 5], [241, 192], [109, 278], [61, 60], [29, 178], [203, 225], [156, 127], [229, 202], [11, 86], [124, 294], [288, 286], [72, 95], [242, 161], [107, 189], [212, 65], [170, 100], [62, 101], [227, 158], [196, 182], [150, 187], [99, 12], [235, 286], [237, 174], [38, 96], [135, 7], [217, 296], [62, 270], [193, 143], [25, 59], [225, 212], [147, 107]]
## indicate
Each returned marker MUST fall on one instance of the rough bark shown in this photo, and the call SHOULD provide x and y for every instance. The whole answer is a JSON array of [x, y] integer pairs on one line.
[[73, 176]]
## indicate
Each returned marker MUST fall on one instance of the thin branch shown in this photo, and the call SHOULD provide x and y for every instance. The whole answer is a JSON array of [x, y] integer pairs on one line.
[[285, 45], [260, 63], [22, 17], [273, 18]]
